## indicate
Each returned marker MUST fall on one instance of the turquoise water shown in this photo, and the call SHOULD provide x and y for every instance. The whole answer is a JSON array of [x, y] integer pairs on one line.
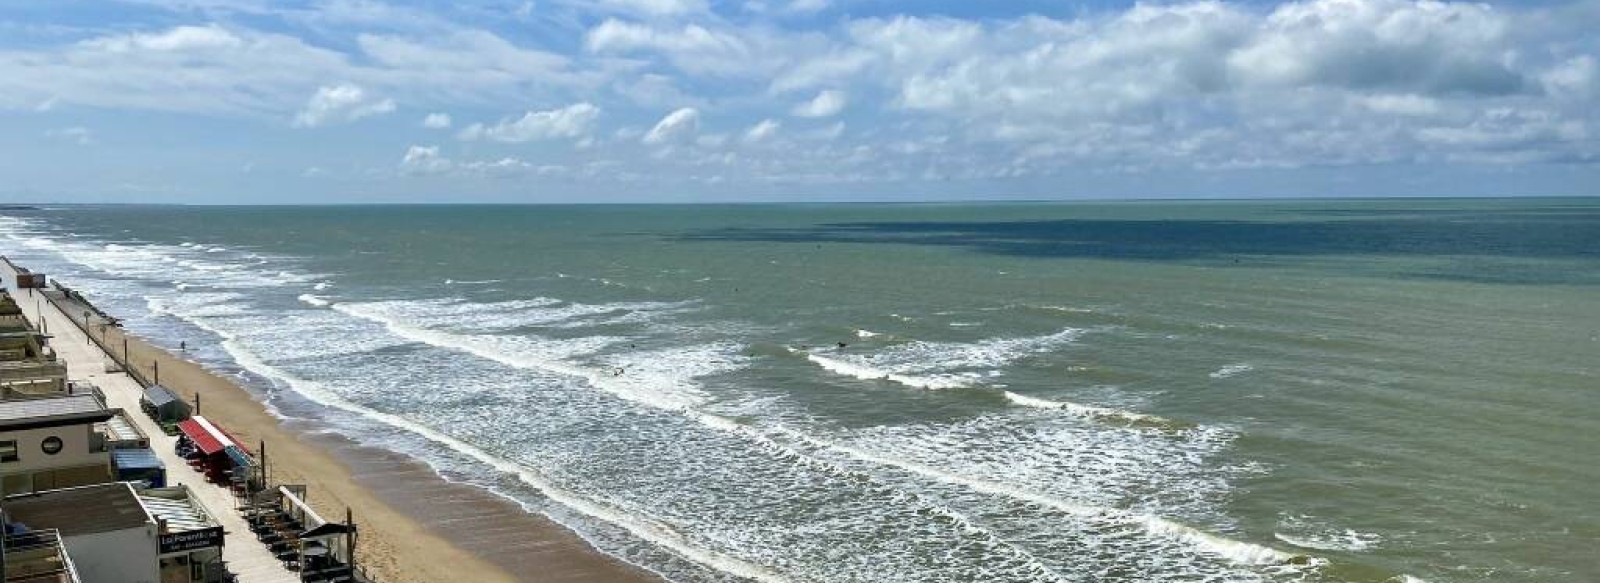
[[1227, 391]]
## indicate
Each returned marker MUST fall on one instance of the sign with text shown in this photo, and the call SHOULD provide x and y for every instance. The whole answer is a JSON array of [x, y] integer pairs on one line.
[[178, 542]]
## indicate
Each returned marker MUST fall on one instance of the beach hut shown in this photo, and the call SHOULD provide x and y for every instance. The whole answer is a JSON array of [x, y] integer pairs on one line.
[[139, 465], [164, 405], [212, 451]]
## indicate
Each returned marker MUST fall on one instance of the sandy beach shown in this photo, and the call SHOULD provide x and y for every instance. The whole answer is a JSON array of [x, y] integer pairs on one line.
[[451, 532]]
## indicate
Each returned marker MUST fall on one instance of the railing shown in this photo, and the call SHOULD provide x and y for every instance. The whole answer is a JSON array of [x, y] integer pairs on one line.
[[37, 557], [89, 331]]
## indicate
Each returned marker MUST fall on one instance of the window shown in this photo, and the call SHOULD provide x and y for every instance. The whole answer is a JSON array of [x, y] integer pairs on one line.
[[51, 445], [8, 451]]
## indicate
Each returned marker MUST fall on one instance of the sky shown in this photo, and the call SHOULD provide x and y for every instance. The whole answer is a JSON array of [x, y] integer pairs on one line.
[[355, 101]]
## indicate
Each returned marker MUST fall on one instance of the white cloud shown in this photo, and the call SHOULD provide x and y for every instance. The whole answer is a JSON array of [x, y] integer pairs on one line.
[[1192, 84], [436, 121], [761, 131], [674, 126], [830, 69], [424, 160], [1209, 84], [77, 134], [650, 7], [341, 103], [618, 36], [828, 133], [460, 65], [1576, 77], [1412, 105], [178, 39], [692, 48], [427, 161], [828, 103], [572, 121], [808, 6], [239, 71], [1432, 47], [183, 69]]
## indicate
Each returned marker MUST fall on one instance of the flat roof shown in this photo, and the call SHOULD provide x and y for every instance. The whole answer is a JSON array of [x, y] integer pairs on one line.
[[52, 410], [135, 459], [118, 428], [78, 511], [174, 506], [159, 395]]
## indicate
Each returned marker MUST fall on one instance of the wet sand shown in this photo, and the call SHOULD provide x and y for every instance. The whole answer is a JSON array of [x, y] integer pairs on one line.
[[449, 532]]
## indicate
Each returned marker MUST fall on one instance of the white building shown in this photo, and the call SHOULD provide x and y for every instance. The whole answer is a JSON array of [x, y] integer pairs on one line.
[[116, 534], [53, 442]]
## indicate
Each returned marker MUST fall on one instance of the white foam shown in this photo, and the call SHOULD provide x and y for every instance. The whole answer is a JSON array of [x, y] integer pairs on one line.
[[644, 528], [1306, 532], [313, 300], [193, 265], [1068, 309], [541, 312], [867, 334], [852, 369], [941, 365], [670, 388], [322, 285], [1231, 370], [1236, 551], [1089, 411]]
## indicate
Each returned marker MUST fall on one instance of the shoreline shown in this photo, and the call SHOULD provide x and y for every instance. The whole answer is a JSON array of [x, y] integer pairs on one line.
[[448, 532]]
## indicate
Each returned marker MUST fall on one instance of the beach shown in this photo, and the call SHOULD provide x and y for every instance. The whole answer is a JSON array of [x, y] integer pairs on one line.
[[451, 532]]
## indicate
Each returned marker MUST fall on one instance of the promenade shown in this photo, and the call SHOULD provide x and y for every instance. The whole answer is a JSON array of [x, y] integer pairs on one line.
[[246, 557]]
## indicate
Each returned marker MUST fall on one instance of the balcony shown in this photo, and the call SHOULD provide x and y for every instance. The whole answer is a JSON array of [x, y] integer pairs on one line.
[[37, 557]]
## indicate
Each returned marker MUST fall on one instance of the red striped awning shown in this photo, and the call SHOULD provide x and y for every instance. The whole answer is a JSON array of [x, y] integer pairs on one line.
[[206, 436]]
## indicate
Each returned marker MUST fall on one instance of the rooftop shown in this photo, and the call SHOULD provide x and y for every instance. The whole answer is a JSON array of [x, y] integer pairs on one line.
[[158, 395], [119, 429], [78, 511], [52, 410], [174, 508]]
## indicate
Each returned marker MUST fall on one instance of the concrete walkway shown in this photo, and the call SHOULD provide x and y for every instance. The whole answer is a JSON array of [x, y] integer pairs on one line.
[[246, 556]]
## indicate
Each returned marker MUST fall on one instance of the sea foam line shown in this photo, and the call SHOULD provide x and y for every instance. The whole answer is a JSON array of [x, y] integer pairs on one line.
[[713, 421], [930, 382], [313, 300], [1233, 550], [1096, 412], [960, 521], [645, 529], [451, 341], [933, 382]]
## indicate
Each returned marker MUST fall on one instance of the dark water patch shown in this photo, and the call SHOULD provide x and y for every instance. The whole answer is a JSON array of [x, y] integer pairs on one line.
[[1513, 235]]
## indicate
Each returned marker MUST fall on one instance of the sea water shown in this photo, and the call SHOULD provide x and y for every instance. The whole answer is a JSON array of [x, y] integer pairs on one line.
[[1110, 392]]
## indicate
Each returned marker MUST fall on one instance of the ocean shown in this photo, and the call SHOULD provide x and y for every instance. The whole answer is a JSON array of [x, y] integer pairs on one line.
[[1332, 390]]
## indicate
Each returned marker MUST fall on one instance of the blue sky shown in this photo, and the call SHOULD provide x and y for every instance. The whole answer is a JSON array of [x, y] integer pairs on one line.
[[212, 101]]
